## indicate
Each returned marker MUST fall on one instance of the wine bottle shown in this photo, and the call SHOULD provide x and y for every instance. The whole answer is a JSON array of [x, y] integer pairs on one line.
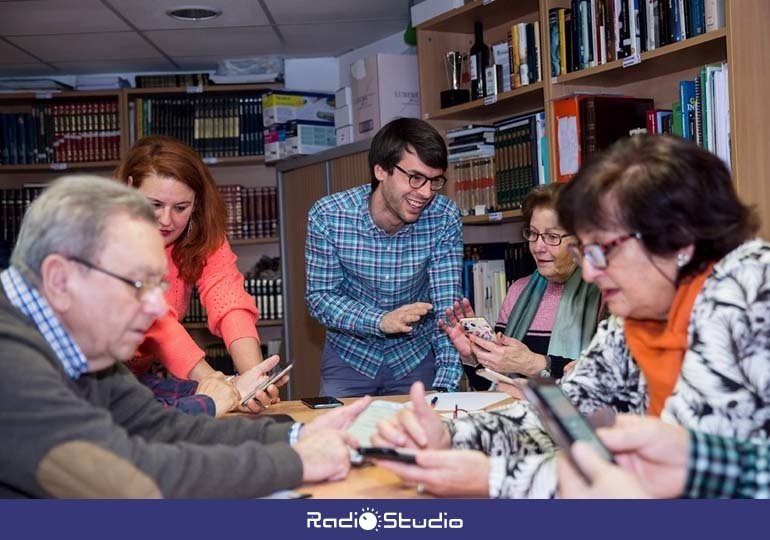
[[478, 59]]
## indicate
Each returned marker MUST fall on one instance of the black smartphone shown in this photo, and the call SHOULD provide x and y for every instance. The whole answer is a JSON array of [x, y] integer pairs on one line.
[[378, 452], [322, 402], [562, 420], [272, 380]]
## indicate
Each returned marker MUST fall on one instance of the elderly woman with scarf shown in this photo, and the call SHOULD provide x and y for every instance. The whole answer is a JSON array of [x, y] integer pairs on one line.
[[547, 318]]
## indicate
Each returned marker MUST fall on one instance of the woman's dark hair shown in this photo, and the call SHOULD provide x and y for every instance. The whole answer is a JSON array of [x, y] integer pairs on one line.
[[670, 190], [540, 197], [406, 135], [168, 157]]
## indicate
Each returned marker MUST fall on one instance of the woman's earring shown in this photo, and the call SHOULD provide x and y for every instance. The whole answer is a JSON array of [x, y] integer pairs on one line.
[[189, 227], [682, 259]]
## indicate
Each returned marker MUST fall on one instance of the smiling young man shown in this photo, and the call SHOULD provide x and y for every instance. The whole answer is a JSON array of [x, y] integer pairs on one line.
[[84, 285], [381, 262]]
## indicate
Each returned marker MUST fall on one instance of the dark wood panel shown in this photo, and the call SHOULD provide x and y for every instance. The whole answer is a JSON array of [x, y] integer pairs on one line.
[[349, 171]]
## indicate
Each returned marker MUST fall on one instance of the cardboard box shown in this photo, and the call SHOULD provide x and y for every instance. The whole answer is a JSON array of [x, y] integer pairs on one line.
[[384, 87], [275, 142], [343, 97], [344, 135], [427, 9], [281, 106], [308, 137], [343, 116]]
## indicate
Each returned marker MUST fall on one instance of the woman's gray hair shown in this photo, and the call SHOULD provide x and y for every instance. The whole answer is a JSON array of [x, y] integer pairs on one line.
[[70, 218]]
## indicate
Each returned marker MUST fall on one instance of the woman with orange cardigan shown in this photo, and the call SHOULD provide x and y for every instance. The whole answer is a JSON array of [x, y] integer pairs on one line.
[[191, 219]]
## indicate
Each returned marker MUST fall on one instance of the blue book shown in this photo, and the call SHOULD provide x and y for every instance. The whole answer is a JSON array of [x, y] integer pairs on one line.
[[689, 102], [468, 265]]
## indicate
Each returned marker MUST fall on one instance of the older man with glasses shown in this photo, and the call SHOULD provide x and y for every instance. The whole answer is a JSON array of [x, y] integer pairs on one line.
[[381, 262], [84, 285]]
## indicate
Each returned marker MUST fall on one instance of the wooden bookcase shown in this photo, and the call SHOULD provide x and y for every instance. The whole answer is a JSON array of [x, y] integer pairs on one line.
[[249, 170], [742, 44]]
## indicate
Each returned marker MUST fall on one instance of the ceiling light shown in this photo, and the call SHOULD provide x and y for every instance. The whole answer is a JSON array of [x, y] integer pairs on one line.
[[194, 13]]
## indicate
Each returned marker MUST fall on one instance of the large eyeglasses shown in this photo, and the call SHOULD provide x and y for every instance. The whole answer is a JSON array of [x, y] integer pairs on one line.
[[417, 180], [141, 288], [550, 238], [597, 254]]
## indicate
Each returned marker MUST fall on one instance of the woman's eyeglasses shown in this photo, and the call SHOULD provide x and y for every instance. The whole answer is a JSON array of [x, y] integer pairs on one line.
[[598, 254], [551, 239]]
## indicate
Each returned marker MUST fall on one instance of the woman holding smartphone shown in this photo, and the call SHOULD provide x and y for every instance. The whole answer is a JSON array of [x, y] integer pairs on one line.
[[547, 318], [191, 219]]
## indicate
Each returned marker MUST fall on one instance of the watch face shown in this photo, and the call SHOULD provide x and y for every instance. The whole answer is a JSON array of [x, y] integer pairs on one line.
[[544, 374]]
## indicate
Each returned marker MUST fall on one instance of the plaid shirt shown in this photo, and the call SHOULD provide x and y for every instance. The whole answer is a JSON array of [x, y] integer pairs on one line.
[[36, 308], [726, 468], [356, 273], [179, 394]]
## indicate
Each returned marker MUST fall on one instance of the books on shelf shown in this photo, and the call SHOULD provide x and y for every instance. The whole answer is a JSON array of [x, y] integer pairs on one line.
[[251, 212], [267, 293], [13, 205]]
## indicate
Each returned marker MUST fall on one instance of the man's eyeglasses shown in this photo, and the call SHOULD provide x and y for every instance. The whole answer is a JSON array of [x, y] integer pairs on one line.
[[141, 288], [417, 180], [597, 254], [551, 239]]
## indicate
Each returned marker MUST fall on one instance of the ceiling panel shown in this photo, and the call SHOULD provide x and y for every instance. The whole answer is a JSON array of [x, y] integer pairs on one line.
[[25, 70], [151, 14], [226, 43], [334, 39], [88, 47], [57, 17], [12, 55], [115, 65], [302, 11]]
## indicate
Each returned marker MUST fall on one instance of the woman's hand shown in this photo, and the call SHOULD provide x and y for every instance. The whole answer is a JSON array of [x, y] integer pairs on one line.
[[507, 355], [415, 427], [454, 330], [447, 473], [246, 382]]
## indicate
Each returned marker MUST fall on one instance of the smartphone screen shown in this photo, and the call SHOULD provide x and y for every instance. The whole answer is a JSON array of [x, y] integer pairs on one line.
[[376, 452], [322, 402], [563, 421], [480, 327]]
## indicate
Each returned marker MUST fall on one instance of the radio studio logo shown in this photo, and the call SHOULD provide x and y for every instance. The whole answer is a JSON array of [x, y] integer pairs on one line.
[[370, 519]]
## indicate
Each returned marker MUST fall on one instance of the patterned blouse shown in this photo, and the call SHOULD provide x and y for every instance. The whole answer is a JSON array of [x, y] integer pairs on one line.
[[723, 387]]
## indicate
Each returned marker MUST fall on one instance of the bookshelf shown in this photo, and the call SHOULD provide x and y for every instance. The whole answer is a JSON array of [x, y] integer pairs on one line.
[[741, 43]]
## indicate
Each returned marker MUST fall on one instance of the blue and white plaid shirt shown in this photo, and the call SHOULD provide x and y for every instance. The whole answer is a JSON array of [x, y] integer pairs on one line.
[[356, 273], [27, 299]]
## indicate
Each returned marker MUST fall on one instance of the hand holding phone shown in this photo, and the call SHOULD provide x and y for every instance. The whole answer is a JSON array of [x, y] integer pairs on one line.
[[479, 326], [390, 454], [322, 402], [494, 376], [562, 420], [263, 386]]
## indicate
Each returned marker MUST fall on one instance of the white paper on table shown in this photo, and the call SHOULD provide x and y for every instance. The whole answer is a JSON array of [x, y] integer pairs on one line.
[[469, 401], [365, 425]]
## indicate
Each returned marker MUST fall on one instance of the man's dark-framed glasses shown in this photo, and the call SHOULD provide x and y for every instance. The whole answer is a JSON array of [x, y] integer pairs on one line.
[[417, 180], [550, 238], [141, 288], [598, 254]]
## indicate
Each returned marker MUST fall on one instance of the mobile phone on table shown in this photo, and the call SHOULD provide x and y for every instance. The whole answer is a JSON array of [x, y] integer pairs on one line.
[[479, 326], [562, 420], [494, 376], [322, 402], [391, 454], [263, 386]]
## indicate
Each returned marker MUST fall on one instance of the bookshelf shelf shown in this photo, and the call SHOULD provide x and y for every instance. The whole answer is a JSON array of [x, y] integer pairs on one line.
[[260, 323], [516, 101], [460, 20], [213, 89], [493, 218], [687, 54], [60, 167], [237, 160], [255, 241]]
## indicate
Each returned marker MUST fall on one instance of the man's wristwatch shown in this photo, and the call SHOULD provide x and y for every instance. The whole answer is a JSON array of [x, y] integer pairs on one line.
[[545, 373]]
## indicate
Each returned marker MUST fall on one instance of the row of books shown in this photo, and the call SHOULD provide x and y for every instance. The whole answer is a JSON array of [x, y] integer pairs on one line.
[[268, 294], [251, 212], [73, 132], [489, 270], [594, 32], [494, 167], [518, 57], [221, 126], [13, 205], [219, 358], [168, 81]]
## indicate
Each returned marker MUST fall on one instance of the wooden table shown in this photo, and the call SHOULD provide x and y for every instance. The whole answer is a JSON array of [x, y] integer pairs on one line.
[[363, 482]]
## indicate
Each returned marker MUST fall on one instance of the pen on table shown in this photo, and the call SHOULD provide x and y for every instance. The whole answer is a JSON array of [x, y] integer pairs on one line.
[[433, 401]]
